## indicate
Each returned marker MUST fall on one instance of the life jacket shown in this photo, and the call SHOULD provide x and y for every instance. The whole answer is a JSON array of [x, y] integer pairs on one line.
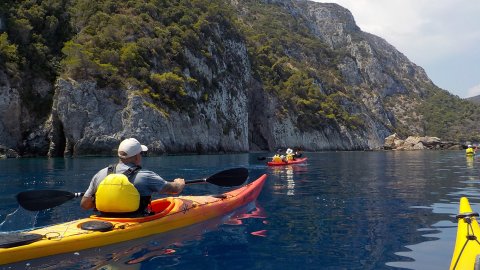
[[116, 194], [290, 157], [470, 151], [277, 158]]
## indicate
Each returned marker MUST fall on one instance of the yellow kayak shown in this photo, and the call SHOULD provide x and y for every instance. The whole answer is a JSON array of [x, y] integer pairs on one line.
[[169, 213], [467, 246]]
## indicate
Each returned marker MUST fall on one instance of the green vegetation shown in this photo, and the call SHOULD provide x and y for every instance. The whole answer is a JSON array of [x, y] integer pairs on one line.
[[9, 58], [295, 66], [129, 44], [143, 46], [30, 47], [38, 29], [448, 116]]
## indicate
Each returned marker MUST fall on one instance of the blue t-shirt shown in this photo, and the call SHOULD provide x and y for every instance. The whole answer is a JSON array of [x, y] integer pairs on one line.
[[146, 182]]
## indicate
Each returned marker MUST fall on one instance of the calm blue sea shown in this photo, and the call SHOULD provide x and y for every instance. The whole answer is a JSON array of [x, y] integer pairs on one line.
[[341, 210]]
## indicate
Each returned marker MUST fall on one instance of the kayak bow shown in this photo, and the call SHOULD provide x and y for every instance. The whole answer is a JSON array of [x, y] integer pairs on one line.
[[467, 245], [169, 213]]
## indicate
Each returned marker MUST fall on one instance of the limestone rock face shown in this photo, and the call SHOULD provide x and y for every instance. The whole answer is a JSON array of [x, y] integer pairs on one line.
[[394, 83], [387, 84], [89, 120], [11, 110], [239, 114]]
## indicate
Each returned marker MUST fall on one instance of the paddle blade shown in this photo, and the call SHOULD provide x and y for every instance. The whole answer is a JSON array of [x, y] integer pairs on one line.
[[36, 200], [229, 178], [261, 158]]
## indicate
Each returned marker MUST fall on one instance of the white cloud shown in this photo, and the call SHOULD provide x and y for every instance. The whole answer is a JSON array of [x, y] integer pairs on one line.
[[474, 91], [442, 36]]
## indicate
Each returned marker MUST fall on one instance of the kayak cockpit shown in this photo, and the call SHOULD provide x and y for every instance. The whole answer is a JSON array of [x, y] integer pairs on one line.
[[162, 206], [158, 208]]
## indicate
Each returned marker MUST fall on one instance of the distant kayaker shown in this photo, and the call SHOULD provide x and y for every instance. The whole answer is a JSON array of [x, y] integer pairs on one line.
[[276, 158], [116, 194], [470, 151], [290, 155]]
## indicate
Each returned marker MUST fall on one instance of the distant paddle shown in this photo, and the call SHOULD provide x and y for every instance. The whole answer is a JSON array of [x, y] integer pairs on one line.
[[36, 200]]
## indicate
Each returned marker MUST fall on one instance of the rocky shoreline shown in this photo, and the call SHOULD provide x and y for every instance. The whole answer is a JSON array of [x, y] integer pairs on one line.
[[394, 142], [6, 152]]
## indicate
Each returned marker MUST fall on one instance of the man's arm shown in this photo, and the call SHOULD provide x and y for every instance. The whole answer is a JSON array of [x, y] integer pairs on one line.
[[87, 203], [174, 187]]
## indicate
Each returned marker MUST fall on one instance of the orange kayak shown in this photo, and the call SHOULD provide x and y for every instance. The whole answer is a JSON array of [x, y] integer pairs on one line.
[[281, 163], [170, 213]]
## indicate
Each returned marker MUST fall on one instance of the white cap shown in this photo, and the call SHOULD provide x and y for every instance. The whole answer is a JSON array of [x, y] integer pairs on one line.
[[469, 145], [130, 147], [289, 151]]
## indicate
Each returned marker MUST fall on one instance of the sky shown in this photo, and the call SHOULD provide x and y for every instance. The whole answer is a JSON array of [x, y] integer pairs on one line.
[[441, 36]]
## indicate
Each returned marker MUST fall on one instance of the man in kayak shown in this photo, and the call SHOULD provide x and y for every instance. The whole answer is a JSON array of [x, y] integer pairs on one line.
[[116, 194], [290, 155], [276, 158], [470, 151]]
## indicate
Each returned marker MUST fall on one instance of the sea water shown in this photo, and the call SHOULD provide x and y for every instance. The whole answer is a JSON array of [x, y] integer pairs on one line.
[[340, 210]]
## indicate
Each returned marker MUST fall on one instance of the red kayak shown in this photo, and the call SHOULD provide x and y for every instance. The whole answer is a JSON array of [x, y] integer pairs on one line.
[[289, 162]]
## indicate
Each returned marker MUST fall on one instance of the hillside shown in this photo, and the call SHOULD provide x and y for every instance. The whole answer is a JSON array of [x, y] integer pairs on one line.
[[475, 99], [77, 76]]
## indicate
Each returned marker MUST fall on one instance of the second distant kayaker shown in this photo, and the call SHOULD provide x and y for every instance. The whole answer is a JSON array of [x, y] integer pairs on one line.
[[290, 155], [115, 194], [470, 151]]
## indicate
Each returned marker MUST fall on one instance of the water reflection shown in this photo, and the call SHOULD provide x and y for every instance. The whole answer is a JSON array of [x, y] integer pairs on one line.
[[470, 161], [288, 174]]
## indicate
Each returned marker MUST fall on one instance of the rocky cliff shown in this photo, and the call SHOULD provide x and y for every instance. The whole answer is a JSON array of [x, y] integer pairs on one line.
[[387, 85], [230, 109], [87, 119]]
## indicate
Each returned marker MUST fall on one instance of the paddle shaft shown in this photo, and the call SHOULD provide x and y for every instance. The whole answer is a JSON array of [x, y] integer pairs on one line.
[[194, 181]]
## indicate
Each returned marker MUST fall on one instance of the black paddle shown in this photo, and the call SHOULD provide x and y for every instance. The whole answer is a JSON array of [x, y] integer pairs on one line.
[[228, 178], [36, 200]]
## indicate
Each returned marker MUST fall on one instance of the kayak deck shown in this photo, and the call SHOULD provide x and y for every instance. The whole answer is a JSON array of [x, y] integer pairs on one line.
[[467, 246], [289, 162], [170, 213]]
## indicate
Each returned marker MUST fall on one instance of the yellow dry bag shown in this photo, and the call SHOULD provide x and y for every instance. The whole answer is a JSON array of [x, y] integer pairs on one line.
[[116, 194]]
